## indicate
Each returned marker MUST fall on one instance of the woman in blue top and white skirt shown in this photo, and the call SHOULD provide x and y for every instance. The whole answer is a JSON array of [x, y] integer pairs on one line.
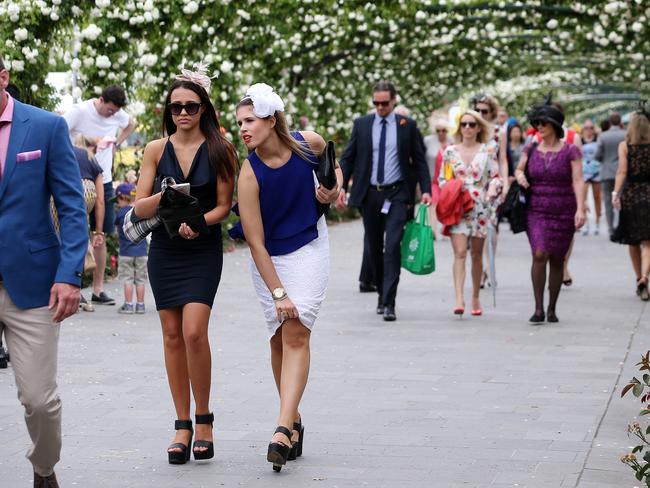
[[278, 194]]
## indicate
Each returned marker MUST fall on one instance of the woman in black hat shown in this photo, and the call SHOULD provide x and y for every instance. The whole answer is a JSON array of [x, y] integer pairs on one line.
[[555, 208]]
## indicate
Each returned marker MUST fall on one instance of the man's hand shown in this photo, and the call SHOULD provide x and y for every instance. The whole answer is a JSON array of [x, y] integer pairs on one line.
[[64, 300], [342, 200], [426, 199]]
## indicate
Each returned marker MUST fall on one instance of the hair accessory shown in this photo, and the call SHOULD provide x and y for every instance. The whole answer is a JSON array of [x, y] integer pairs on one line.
[[265, 101], [199, 76], [642, 110]]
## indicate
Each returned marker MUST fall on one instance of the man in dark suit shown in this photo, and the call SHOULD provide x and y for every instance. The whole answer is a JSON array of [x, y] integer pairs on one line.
[[385, 159], [40, 271]]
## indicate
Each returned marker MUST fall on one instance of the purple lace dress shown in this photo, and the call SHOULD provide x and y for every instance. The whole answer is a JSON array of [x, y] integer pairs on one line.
[[552, 205]]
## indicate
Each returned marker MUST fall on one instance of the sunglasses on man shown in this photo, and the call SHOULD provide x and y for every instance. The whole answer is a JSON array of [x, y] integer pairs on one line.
[[378, 103], [191, 108]]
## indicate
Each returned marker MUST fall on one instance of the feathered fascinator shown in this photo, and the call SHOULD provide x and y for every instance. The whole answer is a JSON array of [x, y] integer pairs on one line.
[[642, 109], [265, 101], [199, 76], [547, 113]]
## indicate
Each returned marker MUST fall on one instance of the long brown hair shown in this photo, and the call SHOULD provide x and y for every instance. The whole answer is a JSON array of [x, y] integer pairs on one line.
[[282, 130], [221, 152], [639, 130]]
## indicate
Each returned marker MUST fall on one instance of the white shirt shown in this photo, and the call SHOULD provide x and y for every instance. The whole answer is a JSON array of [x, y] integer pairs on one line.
[[83, 118]]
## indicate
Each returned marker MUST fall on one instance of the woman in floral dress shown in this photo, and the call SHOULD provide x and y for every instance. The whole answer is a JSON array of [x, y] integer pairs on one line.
[[473, 160]]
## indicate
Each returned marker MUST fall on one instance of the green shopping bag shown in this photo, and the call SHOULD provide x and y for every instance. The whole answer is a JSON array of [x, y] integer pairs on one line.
[[417, 245]]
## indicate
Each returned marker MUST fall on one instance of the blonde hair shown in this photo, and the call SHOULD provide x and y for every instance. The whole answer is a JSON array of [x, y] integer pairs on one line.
[[87, 143], [638, 132], [282, 130], [483, 136]]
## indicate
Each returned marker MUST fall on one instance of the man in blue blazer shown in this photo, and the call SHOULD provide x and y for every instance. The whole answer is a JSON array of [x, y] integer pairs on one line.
[[385, 159], [40, 271]]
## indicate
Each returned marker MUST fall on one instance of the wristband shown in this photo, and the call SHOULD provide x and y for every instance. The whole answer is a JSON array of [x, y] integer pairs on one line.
[[95, 233], [614, 193]]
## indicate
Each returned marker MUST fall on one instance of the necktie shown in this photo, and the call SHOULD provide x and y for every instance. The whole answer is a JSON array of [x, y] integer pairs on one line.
[[382, 153]]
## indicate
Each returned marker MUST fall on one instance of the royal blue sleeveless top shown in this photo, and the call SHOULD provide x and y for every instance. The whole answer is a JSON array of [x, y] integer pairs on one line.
[[287, 201]]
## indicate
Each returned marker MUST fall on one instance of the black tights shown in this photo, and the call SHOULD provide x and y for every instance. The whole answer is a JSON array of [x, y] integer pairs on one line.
[[538, 274]]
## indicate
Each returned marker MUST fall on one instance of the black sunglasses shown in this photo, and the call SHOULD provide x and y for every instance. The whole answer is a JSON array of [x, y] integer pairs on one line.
[[468, 124], [191, 108], [483, 111], [377, 103]]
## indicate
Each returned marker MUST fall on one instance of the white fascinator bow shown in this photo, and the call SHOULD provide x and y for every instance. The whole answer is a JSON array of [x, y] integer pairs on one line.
[[265, 101], [199, 76]]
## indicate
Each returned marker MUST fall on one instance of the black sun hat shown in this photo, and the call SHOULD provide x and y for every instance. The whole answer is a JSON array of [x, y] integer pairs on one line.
[[547, 113]]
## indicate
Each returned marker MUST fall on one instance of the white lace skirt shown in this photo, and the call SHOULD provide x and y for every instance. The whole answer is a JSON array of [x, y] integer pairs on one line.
[[304, 274]]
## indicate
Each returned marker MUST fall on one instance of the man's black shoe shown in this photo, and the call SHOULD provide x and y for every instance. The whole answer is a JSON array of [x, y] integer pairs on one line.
[[102, 299], [389, 314], [366, 287], [380, 307]]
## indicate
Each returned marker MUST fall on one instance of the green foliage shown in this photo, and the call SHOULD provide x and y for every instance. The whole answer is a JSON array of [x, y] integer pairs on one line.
[[640, 389]]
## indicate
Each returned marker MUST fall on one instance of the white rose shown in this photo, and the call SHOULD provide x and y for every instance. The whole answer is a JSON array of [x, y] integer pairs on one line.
[[110, 39], [102, 62], [88, 62], [13, 9], [18, 66], [103, 3], [91, 32], [34, 88], [56, 2], [226, 67], [196, 28], [191, 7], [21, 34], [54, 16], [552, 24], [637, 26]]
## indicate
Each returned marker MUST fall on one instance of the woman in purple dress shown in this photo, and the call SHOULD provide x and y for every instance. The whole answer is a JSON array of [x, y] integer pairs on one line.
[[555, 208]]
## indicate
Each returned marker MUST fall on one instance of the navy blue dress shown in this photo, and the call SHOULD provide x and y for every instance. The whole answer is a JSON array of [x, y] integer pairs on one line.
[[181, 270]]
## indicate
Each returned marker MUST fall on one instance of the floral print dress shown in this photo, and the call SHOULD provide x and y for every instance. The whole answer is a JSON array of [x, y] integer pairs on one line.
[[480, 178]]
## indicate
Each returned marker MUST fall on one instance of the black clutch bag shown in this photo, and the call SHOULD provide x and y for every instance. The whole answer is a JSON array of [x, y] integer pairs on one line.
[[326, 173], [176, 207], [515, 207]]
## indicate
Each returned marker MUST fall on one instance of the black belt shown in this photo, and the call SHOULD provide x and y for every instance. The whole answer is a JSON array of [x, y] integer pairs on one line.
[[390, 186]]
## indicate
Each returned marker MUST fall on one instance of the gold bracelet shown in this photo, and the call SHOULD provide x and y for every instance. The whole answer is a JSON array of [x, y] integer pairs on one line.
[[95, 233]]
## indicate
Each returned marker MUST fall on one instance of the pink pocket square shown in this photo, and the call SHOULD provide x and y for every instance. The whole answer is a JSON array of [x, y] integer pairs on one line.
[[28, 156]]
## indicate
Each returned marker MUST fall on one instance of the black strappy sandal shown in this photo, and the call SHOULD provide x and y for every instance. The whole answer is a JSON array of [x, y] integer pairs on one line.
[[207, 418], [182, 456], [279, 452], [296, 447]]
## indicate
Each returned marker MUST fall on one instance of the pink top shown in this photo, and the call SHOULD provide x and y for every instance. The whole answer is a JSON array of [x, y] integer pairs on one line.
[[6, 118]]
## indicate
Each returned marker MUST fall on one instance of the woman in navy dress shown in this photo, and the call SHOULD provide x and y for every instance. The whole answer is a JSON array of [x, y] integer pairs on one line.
[[278, 196], [184, 271]]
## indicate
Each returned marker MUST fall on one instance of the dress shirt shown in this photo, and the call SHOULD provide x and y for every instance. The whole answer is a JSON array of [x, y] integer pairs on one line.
[[392, 172], [6, 118]]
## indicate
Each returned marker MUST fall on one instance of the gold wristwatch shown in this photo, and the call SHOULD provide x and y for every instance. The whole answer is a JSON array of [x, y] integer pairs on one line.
[[279, 294]]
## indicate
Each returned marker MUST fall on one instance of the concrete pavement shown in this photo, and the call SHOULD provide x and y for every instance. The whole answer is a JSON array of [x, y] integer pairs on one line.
[[428, 401]]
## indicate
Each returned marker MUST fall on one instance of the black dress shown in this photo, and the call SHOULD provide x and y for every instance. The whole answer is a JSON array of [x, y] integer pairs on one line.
[[181, 270], [634, 217]]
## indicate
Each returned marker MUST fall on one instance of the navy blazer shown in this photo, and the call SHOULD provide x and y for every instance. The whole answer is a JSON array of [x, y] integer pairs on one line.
[[356, 160], [32, 256]]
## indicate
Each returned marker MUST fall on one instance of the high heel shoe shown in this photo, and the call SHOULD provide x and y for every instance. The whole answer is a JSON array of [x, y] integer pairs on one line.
[[477, 312], [296, 447], [278, 451], [182, 456], [642, 289], [207, 418]]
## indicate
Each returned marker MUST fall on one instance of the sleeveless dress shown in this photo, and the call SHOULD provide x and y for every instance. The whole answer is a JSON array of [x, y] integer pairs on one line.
[[185, 271], [552, 204], [634, 217], [476, 177], [295, 237]]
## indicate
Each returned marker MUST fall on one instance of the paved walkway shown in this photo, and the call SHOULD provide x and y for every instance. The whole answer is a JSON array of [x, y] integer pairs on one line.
[[427, 401]]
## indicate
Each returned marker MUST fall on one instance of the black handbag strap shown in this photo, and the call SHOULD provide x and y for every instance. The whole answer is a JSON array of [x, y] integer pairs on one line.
[[529, 153]]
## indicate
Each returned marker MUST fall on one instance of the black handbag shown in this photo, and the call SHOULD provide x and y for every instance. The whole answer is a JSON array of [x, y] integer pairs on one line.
[[515, 206], [176, 207], [326, 174]]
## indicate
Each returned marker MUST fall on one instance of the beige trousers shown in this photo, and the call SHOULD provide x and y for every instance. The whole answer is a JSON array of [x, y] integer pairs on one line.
[[32, 339]]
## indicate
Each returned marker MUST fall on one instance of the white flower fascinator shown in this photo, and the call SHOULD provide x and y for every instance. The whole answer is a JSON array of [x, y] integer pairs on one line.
[[265, 101], [199, 76]]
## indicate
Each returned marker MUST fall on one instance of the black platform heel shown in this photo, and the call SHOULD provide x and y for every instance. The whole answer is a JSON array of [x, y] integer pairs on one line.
[[296, 447], [279, 452], [207, 418], [182, 456]]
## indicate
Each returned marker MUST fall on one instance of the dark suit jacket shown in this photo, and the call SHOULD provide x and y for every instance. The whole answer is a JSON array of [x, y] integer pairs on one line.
[[356, 160]]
